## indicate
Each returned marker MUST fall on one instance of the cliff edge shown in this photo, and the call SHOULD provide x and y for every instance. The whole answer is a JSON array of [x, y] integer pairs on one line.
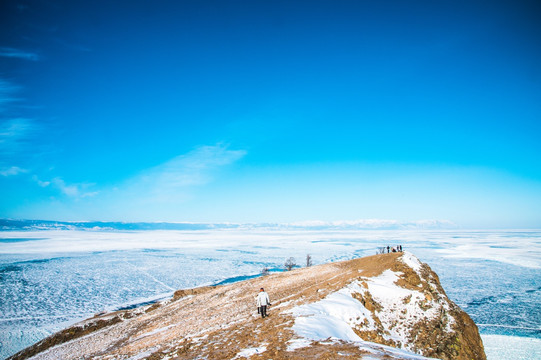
[[388, 306]]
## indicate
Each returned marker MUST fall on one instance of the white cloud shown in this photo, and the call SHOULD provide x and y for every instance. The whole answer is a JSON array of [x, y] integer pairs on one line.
[[39, 182], [18, 54], [159, 193], [7, 92], [14, 128], [70, 190], [13, 133], [11, 171], [169, 180], [76, 191]]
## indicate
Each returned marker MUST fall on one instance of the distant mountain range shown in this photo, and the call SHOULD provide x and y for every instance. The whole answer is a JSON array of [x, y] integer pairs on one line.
[[367, 224]]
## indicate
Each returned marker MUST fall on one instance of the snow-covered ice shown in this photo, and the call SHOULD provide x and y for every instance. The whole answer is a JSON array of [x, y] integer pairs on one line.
[[512, 347]]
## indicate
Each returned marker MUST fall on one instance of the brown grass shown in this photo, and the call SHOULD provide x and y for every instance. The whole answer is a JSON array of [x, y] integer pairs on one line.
[[218, 322]]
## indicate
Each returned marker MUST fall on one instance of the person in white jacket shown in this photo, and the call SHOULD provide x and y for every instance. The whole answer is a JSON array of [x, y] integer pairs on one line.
[[262, 302]]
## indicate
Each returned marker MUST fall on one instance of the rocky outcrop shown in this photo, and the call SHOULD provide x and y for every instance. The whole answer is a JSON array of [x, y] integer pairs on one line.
[[387, 306], [423, 319]]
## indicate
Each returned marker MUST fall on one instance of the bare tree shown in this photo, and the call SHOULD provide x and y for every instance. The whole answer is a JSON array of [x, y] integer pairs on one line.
[[381, 250], [290, 263], [308, 260]]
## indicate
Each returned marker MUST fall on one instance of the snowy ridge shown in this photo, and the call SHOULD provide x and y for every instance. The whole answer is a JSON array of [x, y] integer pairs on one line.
[[384, 309], [342, 315], [387, 306], [410, 260]]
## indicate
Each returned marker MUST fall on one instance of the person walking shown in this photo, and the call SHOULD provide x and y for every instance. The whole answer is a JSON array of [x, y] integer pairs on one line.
[[262, 302]]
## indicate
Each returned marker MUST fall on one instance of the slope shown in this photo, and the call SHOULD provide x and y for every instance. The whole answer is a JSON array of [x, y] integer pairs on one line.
[[387, 306]]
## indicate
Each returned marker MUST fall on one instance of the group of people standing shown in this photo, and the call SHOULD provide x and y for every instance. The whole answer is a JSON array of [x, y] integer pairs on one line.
[[397, 248]]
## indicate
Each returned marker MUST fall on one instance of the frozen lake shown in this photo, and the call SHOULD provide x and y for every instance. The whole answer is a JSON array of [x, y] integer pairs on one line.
[[52, 278]]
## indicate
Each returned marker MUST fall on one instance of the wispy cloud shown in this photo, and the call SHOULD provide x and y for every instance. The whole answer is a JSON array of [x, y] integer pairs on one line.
[[73, 190], [12, 130], [13, 133], [12, 171], [170, 180], [7, 94], [18, 54], [40, 182], [160, 192], [166, 183], [16, 135]]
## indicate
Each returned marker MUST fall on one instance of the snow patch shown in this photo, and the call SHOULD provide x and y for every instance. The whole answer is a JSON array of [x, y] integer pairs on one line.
[[286, 303], [295, 344], [251, 351], [154, 332], [411, 260], [332, 317], [142, 355], [337, 315]]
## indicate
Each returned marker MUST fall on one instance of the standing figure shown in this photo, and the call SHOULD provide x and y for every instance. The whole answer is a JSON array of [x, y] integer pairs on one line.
[[262, 302], [388, 249]]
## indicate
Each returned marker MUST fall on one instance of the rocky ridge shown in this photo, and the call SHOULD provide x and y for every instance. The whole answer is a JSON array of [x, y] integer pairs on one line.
[[387, 306]]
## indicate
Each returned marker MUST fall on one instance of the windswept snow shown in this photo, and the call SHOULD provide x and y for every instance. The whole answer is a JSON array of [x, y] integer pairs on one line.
[[153, 332], [410, 260], [337, 315], [246, 353], [295, 344], [332, 317]]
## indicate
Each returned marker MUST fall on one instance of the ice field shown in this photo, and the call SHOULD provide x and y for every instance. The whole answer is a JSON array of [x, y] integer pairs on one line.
[[52, 278]]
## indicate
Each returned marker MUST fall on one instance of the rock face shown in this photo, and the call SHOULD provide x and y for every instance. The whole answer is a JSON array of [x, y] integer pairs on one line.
[[387, 306]]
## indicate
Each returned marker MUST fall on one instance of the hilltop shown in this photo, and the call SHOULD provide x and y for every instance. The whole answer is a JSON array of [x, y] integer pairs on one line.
[[387, 306]]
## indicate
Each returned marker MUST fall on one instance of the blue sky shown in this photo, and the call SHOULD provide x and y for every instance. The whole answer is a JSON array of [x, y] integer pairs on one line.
[[259, 111]]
